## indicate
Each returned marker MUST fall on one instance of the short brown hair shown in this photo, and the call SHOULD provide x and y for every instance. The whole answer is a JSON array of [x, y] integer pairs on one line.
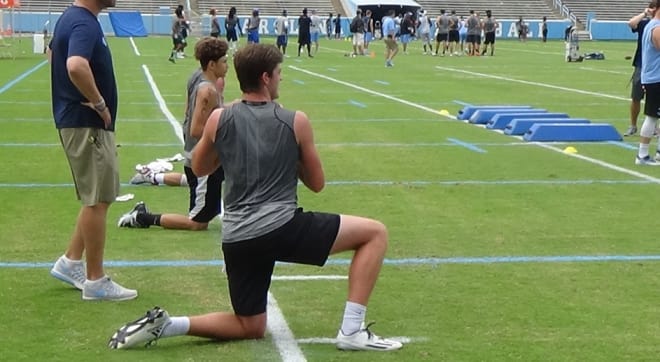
[[210, 49], [252, 61]]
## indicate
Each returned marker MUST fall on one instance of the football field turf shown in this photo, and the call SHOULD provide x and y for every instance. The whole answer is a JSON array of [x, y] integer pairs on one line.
[[499, 250]]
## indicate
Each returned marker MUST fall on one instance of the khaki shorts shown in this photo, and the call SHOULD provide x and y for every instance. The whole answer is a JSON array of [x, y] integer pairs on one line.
[[92, 156], [390, 43], [358, 39]]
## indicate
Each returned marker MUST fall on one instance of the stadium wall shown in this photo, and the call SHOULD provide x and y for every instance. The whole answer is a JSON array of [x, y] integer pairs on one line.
[[33, 22]]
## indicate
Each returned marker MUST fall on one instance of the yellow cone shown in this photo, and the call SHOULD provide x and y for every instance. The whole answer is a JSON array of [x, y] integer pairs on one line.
[[570, 149]]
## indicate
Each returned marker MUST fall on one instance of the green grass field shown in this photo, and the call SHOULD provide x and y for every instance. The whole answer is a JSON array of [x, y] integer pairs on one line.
[[517, 252]]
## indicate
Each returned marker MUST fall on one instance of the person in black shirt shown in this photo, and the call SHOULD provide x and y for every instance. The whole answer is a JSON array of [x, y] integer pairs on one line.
[[304, 23]]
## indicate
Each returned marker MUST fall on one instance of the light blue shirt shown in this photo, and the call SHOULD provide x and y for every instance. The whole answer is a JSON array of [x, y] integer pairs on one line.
[[389, 28], [650, 55]]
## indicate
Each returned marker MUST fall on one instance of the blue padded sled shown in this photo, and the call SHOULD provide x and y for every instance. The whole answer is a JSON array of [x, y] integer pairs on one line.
[[519, 126], [482, 116], [468, 111], [500, 121], [559, 132]]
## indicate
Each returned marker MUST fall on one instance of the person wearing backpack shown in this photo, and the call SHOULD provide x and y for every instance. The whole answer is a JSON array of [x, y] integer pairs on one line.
[[357, 28]]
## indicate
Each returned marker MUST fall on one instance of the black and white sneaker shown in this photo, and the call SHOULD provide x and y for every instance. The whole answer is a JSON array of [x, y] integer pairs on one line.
[[142, 331], [130, 219], [365, 340]]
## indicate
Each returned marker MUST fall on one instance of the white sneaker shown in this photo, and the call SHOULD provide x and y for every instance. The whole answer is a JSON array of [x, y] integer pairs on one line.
[[106, 289], [365, 340], [72, 273], [146, 177], [646, 160], [143, 331]]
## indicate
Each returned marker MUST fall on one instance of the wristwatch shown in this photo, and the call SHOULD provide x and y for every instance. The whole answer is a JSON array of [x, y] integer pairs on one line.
[[100, 105]]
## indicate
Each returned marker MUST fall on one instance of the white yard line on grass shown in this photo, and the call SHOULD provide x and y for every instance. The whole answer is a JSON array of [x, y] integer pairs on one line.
[[629, 74], [367, 90], [546, 146], [162, 105], [536, 84], [135, 49], [325, 340], [282, 336]]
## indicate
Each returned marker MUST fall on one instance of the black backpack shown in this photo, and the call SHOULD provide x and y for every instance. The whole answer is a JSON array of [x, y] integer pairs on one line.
[[354, 25]]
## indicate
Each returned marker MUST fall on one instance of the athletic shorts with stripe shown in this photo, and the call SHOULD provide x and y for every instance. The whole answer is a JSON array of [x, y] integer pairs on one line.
[[205, 195]]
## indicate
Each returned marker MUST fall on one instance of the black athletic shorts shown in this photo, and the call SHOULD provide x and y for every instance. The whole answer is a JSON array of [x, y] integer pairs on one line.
[[231, 35], [453, 36], [489, 38], [306, 239], [652, 103]]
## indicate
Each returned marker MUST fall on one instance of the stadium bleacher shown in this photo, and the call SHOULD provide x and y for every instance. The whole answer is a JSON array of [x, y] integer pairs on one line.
[[144, 6], [505, 9], [266, 7], [621, 10], [606, 9]]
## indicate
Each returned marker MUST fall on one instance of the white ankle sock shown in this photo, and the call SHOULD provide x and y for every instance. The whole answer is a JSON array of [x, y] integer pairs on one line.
[[70, 261], [97, 281], [354, 314], [179, 327], [643, 150]]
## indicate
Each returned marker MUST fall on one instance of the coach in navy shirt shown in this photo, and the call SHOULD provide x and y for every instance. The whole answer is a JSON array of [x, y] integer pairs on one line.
[[84, 93]]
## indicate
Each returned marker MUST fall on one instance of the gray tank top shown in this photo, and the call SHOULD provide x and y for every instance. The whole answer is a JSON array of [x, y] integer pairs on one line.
[[259, 154], [189, 142], [454, 22], [489, 25], [473, 25], [443, 24], [253, 23]]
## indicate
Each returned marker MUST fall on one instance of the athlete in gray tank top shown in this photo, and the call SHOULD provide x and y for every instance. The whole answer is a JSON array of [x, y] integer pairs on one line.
[[270, 177], [190, 141]]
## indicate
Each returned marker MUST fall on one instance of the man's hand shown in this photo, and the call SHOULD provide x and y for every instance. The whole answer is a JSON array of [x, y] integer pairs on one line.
[[102, 111]]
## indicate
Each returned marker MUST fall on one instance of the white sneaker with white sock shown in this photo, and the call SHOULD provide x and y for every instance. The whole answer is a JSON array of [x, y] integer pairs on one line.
[[69, 271], [365, 340]]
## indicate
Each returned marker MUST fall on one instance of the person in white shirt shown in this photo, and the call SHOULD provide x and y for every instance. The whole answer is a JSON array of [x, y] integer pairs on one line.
[[424, 31], [282, 31], [315, 30]]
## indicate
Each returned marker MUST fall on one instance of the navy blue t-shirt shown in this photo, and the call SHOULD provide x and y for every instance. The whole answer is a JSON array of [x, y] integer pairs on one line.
[[78, 33], [637, 60]]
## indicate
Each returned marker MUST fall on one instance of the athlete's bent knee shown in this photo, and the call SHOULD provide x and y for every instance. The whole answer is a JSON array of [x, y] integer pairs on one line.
[[253, 328], [198, 226]]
